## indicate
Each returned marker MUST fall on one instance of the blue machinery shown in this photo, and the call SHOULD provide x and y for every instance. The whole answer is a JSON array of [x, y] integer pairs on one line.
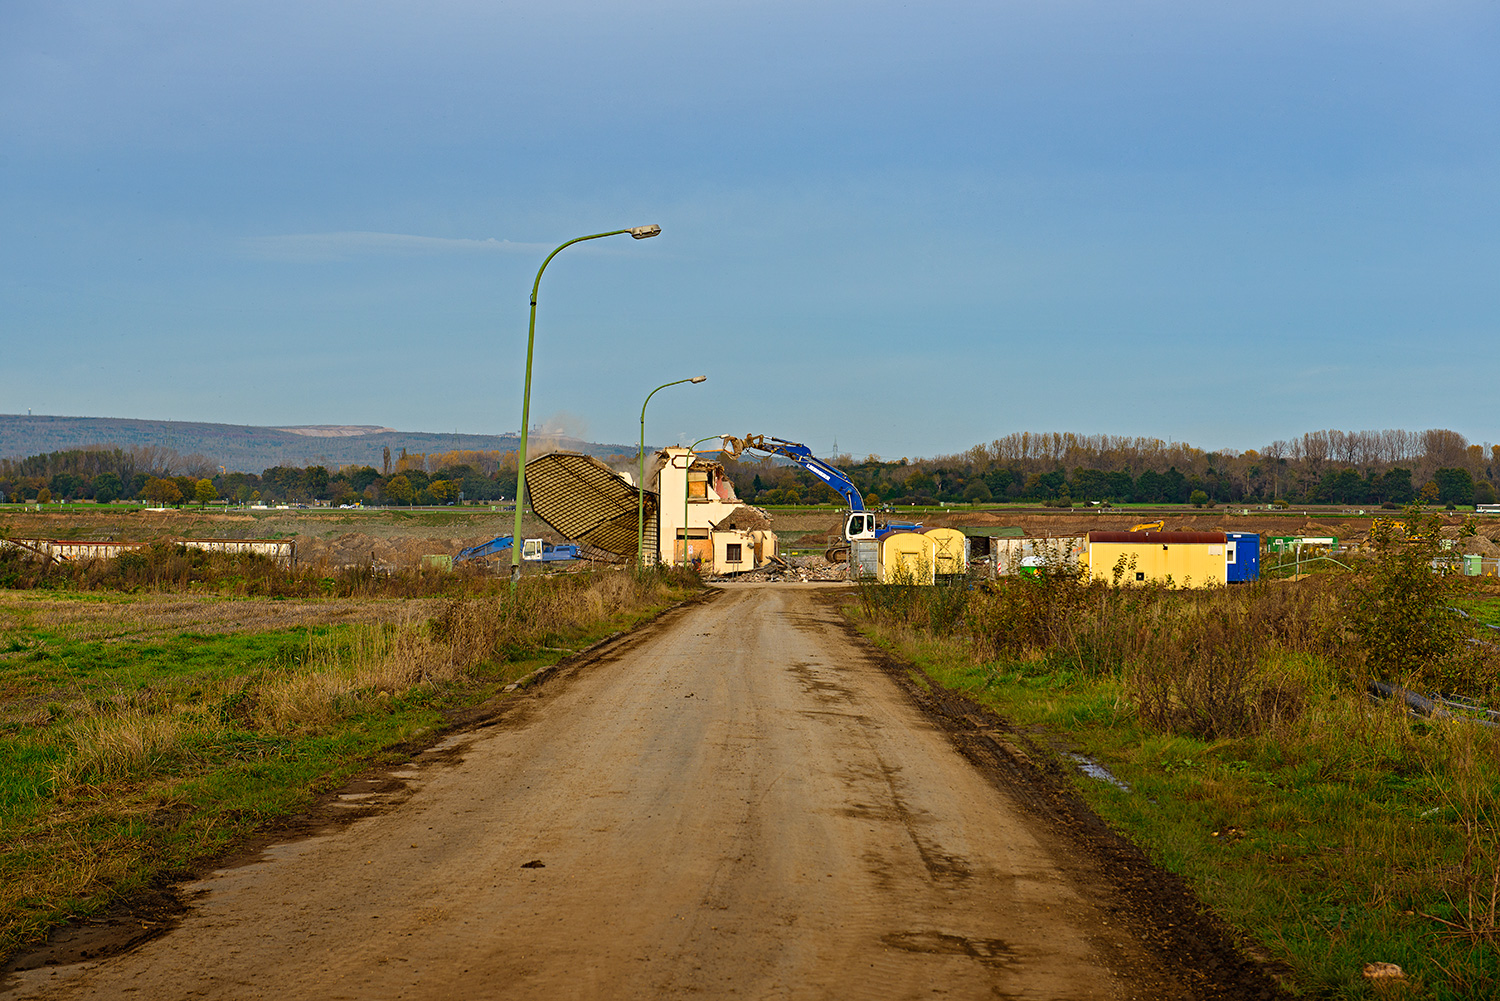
[[860, 524], [533, 550]]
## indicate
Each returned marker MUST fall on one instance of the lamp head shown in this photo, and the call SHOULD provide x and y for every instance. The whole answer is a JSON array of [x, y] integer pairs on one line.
[[699, 378], [644, 232]]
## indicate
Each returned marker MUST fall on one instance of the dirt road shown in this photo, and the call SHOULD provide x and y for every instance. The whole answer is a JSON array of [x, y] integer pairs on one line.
[[737, 801]]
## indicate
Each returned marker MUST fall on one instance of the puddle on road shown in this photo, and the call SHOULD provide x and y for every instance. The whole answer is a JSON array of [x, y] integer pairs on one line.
[[990, 951], [1094, 770]]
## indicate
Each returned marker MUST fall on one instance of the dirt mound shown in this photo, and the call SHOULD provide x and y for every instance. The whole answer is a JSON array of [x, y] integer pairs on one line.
[[355, 548]]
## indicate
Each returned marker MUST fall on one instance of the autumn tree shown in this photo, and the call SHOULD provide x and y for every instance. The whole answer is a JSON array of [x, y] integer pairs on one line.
[[399, 489], [161, 491]]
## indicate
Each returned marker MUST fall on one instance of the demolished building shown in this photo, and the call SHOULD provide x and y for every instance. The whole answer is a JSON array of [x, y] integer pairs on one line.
[[692, 514]]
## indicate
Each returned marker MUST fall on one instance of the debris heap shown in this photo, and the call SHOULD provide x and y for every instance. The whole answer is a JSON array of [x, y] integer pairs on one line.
[[792, 570]]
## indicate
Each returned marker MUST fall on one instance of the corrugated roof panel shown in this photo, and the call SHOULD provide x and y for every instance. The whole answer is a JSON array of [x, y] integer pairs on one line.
[[586, 501]]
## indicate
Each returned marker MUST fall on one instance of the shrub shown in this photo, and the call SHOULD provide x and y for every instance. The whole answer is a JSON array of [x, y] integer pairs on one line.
[[1401, 609], [1203, 662]]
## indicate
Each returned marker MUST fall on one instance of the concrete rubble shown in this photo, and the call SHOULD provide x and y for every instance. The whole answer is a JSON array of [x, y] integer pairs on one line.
[[792, 570]]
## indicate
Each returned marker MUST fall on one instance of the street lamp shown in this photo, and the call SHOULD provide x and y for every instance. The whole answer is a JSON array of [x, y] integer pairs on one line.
[[637, 233], [685, 477], [640, 485]]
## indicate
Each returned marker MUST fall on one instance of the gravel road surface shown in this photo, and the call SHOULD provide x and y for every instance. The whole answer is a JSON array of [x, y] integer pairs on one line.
[[741, 800]]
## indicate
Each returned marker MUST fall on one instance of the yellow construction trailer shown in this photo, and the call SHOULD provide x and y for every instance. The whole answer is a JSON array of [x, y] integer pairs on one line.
[[1183, 559], [906, 558], [950, 554]]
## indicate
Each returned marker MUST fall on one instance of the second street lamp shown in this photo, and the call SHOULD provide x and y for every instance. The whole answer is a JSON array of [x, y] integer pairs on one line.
[[636, 233], [640, 486]]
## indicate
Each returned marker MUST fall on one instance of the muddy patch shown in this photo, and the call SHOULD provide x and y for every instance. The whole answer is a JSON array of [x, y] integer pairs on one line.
[[989, 951]]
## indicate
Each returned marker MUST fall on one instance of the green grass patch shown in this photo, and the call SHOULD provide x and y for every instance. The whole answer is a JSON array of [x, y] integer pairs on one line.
[[1485, 609]]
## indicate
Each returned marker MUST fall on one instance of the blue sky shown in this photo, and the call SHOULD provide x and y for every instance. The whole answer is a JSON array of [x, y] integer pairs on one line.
[[904, 228]]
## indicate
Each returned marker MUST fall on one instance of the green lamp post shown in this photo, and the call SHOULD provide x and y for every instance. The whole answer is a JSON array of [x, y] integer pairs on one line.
[[636, 232], [640, 485]]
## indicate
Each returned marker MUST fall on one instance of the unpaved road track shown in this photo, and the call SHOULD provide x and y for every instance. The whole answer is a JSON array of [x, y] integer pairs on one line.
[[740, 800]]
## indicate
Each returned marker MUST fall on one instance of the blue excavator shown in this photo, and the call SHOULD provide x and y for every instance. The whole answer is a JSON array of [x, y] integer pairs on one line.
[[860, 526], [531, 549]]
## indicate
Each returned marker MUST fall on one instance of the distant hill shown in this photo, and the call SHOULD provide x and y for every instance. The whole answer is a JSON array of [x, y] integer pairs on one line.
[[249, 449]]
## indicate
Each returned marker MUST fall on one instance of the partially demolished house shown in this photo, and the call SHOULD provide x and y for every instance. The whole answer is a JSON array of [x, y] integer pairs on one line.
[[691, 511], [701, 520]]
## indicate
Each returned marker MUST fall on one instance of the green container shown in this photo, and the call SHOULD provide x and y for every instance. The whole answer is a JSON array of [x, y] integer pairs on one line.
[[1473, 566]]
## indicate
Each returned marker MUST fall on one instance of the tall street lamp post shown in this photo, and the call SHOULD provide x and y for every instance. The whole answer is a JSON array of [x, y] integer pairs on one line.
[[685, 477], [636, 232], [640, 485]]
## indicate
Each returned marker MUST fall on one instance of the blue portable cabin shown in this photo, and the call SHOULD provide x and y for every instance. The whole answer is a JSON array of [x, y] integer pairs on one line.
[[1241, 557]]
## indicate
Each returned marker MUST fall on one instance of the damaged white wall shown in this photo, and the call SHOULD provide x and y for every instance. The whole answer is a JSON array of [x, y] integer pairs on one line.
[[701, 514]]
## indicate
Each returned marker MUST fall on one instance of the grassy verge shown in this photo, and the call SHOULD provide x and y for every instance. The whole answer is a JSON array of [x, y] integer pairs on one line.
[[132, 751], [1331, 830]]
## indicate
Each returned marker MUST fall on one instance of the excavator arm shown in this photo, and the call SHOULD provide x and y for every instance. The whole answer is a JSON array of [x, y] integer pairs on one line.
[[802, 456], [837, 551]]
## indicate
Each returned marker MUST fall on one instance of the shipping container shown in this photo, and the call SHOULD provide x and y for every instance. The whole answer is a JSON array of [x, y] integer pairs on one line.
[[1180, 559], [1241, 557], [1008, 556]]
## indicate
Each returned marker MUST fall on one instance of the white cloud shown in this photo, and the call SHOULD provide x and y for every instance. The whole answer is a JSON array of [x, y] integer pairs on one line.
[[343, 246]]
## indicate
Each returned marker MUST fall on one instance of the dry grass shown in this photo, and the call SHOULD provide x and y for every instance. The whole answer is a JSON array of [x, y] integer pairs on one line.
[[1472, 887], [117, 747], [140, 615], [340, 674]]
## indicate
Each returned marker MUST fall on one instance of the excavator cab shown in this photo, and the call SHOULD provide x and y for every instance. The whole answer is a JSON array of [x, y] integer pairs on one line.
[[861, 525]]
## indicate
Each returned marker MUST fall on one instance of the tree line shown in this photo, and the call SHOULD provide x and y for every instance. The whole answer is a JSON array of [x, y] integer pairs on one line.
[[1339, 467], [1320, 467], [161, 476]]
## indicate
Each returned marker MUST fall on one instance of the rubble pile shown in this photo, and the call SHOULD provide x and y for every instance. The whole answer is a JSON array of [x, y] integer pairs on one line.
[[745, 518], [793, 570]]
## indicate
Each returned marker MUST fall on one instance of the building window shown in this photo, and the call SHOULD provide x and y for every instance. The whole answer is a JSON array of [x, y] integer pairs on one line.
[[733, 552]]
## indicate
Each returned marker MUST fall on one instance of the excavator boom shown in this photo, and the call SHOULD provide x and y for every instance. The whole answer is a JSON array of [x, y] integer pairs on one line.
[[802, 456]]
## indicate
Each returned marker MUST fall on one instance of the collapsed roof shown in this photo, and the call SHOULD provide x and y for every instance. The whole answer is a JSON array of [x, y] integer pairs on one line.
[[585, 500]]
